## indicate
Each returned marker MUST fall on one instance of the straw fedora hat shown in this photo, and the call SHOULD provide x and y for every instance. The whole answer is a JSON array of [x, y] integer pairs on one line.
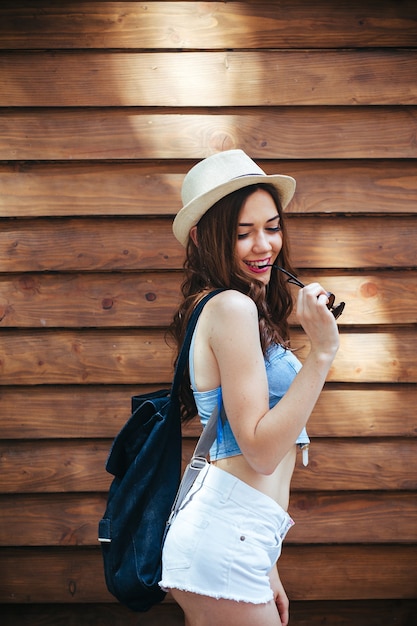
[[217, 176]]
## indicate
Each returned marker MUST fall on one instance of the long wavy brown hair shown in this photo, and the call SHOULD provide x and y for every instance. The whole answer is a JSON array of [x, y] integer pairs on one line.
[[214, 264]]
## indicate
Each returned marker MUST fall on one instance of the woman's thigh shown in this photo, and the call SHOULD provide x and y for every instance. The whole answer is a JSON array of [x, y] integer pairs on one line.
[[205, 611]]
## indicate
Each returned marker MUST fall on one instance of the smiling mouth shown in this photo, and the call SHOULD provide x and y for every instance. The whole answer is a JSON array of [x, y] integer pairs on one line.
[[258, 265]]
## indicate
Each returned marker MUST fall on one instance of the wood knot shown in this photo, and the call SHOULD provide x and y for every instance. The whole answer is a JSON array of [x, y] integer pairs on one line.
[[72, 587], [368, 290], [107, 303]]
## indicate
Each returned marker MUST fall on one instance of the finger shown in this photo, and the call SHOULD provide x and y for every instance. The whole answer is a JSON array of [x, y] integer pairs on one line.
[[283, 609], [323, 299]]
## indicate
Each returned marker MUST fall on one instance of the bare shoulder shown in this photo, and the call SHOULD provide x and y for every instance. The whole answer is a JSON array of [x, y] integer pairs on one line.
[[232, 304], [229, 316]]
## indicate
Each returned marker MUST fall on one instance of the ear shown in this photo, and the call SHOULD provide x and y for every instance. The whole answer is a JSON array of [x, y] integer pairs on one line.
[[193, 235]]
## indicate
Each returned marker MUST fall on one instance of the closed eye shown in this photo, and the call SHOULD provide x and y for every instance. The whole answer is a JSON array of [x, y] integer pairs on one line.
[[271, 229], [268, 229]]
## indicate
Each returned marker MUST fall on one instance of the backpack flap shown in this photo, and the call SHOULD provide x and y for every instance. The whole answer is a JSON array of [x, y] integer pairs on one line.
[[147, 412]]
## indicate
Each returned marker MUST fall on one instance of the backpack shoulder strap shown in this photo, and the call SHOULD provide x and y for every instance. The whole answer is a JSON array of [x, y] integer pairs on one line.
[[185, 348]]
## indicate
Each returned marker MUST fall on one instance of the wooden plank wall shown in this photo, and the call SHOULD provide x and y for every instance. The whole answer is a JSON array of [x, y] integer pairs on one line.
[[104, 107]]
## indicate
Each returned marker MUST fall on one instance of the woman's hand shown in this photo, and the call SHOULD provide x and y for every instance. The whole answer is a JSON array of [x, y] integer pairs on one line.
[[280, 597], [316, 319]]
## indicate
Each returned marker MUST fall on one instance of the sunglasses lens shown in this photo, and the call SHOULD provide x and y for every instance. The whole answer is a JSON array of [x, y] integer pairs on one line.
[[338, 310], [331, 298]]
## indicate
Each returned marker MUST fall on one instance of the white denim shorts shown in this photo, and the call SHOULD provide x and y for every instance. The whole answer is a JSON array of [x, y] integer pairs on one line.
[[225, 540]]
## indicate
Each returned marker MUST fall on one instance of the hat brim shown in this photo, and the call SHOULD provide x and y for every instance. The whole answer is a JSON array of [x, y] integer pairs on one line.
[[191, 213]]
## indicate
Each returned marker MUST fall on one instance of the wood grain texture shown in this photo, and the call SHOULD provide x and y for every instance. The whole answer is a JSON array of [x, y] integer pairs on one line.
[[46, 519], [93, 188], [308, 573], [91, 411], [199, 25], [215, 79], [314, 613], [111, 614], [142, 356], [345, 572], [353, 612], [348, 410], [100, 188], [89, 244], [89, 300], [303, 613], [149, 299], [343, 517], [335, 464], [361, 132], [110, 244]]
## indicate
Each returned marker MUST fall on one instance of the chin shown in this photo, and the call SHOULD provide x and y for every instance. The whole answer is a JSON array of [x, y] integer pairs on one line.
[[264, 279]]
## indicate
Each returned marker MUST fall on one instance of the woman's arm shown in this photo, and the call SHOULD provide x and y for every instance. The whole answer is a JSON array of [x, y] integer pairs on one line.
[[265, 435]]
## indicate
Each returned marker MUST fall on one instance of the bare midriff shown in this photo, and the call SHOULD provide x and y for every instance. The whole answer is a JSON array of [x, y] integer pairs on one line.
[[275, 485]]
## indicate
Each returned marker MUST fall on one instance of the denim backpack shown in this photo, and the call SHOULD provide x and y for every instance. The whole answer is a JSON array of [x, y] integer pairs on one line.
[[145, 460]]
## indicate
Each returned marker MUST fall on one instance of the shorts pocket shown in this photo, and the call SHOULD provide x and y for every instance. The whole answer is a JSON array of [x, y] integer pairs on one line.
[[182, 542], [259, 546]]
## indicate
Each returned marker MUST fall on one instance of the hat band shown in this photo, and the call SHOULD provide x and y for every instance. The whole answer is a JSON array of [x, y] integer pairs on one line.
[[243, 175]]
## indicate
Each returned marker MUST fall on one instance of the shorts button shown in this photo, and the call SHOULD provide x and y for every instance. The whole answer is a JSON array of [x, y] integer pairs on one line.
[[242, 537]]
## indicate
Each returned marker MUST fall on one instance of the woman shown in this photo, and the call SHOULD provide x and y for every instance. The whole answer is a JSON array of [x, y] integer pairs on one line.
[[220, 555]]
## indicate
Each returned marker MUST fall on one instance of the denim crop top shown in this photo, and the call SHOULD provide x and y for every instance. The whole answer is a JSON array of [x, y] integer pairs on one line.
[[281, 368]]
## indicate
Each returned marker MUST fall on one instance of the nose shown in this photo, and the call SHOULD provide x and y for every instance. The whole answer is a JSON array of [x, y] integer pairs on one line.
[[262, 243]]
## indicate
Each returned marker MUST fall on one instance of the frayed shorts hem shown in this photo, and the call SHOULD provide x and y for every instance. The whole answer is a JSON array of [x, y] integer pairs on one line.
[[218, 596]]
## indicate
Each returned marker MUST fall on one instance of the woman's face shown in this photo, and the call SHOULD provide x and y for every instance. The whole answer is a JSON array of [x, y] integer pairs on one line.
[[259, 237]]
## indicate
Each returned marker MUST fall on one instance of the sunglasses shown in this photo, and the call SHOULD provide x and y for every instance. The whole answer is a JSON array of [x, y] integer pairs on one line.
[[336, 310]]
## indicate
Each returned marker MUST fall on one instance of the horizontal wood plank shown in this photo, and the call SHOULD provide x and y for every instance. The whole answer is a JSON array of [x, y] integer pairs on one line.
[[51, 520], [351, 464], [351, 613], [167, 613], [63, 412], [345, 518], [89, 300], [275, 133], [344, 410], [72, 519], [197, 25], [94, 188], [143, 356], [106, 357], [217, 79], [308, 573], [368, 572], [90, 411], [342, 464], [110, 244], [101, 188], [351, 239], [314, 613], [89, 244], [42, 300], [335, 464]]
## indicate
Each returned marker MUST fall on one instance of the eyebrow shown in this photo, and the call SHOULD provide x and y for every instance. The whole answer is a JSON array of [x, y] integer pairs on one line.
[[277, 216]]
